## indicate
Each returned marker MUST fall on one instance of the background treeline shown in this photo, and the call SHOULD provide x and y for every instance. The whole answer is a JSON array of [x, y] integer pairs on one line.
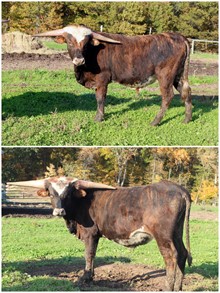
[[194, 168], [193, 19]]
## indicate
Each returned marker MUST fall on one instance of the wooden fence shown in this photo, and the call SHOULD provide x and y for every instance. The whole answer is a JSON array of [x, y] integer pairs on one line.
[[203, 45], [22, 195]]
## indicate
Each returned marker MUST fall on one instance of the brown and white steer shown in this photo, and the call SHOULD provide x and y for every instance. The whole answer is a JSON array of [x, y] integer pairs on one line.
[[130, 216], [100, 58]]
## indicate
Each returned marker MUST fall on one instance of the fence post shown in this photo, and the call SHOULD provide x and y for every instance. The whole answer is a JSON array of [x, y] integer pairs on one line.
[[192, 49]]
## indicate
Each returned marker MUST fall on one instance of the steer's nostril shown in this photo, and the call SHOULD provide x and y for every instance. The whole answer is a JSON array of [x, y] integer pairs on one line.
[[62, 212], [59, 212], [78, 61]]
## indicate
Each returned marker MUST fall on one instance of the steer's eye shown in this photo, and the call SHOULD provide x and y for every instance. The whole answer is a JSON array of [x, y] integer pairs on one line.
[[70, 44]]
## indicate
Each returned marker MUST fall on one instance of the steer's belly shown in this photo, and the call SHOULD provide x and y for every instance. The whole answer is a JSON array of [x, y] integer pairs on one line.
[[138, 237], [146, 82]]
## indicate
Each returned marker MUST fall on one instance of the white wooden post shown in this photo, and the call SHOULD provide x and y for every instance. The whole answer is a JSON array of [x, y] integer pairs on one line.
[[192, 49]]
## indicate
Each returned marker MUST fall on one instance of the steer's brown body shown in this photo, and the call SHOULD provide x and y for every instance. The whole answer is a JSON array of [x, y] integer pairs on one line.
[[129, 216], [100, 58]]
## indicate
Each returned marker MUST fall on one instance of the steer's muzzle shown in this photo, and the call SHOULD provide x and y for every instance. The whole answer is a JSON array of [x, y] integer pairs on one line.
[[78, 61], [59, 212]]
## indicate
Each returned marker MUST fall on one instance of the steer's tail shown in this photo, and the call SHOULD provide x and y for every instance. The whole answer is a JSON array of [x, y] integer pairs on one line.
[[186, 90], [188, 206], [181, 82]]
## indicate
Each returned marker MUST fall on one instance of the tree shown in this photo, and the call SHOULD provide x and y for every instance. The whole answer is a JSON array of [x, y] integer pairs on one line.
[[161, 17], [206, 192], [90, 14], [197, 19], [127, 18], [32, 17]]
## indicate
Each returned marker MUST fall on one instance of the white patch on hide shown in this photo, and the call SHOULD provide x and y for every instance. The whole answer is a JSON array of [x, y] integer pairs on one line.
[[137, 237], [148, 81], [78, 33], [60, 185]]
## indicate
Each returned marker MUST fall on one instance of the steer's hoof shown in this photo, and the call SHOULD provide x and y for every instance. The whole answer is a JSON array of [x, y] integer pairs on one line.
[[187, 120], [154, 123], [86, 277], [99, 118]]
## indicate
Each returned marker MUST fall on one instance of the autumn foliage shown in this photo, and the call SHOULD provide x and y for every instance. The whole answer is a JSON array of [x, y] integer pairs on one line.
[[194, 168]]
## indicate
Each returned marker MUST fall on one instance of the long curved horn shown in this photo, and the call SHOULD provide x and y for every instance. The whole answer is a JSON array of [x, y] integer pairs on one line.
[[32, 183], [82, 184], [54, 33], [105, 39]]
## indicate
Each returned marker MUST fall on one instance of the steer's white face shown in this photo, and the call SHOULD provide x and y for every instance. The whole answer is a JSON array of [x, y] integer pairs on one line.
[[60, 184], [79, 33]]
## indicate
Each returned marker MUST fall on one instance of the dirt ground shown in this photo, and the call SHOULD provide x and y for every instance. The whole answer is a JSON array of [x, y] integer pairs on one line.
[[16, 61], [117, 277]]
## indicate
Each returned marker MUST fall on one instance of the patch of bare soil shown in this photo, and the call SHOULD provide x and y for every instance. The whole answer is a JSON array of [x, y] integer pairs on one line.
[[16, 61], [117, 277], [204, 215]]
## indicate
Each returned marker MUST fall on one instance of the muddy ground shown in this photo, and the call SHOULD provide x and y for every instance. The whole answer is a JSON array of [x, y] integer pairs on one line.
[[118, 277], [62, 61]]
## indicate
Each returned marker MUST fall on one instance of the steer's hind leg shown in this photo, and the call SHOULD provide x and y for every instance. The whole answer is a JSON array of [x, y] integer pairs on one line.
[[184, 89], [169, 253], [167, 95], [182, 254]]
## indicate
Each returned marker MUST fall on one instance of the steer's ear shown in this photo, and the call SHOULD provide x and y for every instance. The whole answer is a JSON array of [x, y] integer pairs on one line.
[[60, 40], [80, 193], [95, 42], [42, 192]]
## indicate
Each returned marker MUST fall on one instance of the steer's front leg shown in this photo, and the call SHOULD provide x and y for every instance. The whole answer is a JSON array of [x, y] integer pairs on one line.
[[91, 244], [100, 98]]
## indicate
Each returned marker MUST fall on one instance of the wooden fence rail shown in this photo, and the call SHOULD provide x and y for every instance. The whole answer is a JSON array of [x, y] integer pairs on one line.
[[17, 194]]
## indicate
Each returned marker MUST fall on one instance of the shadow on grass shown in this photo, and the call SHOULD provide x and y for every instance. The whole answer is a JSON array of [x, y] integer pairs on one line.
[[43, 103], [59, 265], [48, 272], [207, 270]]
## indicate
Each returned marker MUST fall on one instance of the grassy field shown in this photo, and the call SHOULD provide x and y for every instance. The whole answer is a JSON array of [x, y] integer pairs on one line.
[[43, 107], [31, 243], [204, 56]]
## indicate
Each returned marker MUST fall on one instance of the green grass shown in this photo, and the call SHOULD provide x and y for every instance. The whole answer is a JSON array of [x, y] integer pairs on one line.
[[204, 208], [205, 56], [55, 46], [43, 107], [31, 243]]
